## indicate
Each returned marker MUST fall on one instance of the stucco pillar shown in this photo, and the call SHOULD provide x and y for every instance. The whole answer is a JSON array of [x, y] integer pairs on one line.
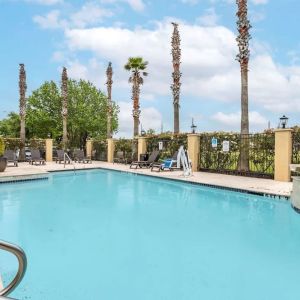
[[142, 146], [283, 154], [89, 148], [110, 150], [49, 149], [194, 150]]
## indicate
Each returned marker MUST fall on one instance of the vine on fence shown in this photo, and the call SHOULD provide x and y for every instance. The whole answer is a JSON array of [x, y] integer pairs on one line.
[[296, 146], [16, 143], [99, 150], [170, 143], [261, 147], [127, 146]]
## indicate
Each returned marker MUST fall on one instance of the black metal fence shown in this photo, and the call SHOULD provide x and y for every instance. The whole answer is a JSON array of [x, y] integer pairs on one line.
[[128, 147], [296, 147], [17, 145], [169, 144], [221, 153], [99, 150]]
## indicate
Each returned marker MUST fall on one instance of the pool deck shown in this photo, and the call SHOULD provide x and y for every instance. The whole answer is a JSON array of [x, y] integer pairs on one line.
[[253, 185]]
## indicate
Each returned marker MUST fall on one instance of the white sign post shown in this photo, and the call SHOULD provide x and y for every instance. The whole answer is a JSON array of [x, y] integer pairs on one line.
[[225, 145], [160, 145]]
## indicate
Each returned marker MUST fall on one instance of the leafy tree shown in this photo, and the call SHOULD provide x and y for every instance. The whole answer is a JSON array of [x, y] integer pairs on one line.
[[87, 114], [10, 126], [150, 131]]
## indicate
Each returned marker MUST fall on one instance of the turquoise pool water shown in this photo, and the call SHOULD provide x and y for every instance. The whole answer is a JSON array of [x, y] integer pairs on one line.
[[108, 235]]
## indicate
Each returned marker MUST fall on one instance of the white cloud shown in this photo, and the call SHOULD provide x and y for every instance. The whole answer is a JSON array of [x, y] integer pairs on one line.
[[58, 56], [90, 71], [208, 63], [233, 120], [210, 18], [50, 21], [258, 2], [89, 14], [190, 2], [45, 2], [137, 5], [150, 118]]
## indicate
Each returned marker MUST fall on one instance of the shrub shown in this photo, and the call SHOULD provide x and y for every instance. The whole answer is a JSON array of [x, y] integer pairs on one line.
[[2, 146]]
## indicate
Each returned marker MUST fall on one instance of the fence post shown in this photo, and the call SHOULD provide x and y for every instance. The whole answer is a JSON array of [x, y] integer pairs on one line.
[[49, 150], [89, 148], [110, 150], [283, 154], [142, 146], [194, 150]]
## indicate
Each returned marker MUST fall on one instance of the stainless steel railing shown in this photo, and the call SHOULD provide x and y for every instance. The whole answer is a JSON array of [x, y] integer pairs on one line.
[[21, 256], [67, 157]]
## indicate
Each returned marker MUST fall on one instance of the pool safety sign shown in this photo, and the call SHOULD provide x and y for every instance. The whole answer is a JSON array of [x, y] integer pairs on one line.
[[160, 145], [225, 146], [214, 142]]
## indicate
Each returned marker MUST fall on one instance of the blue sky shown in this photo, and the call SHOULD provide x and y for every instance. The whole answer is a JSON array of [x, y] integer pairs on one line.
[[85, 35]]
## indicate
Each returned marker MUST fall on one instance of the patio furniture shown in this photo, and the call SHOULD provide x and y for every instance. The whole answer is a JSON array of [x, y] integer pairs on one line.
[[61, 157], [148, 163], [166, 164], [36, 157], [11, 157], [79, 157]]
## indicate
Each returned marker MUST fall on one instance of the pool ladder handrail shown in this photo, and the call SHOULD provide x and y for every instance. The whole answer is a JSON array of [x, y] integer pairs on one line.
[[21, 256], [66, 156]]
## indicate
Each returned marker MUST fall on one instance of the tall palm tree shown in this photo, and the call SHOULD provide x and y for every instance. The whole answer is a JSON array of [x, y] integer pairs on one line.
[[175, 87], [109, 82], [243, 25], [22, 90], [136, 65], [64, 93]]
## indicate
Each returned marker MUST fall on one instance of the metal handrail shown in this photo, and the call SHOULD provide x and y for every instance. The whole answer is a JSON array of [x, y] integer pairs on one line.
[[21, 256], [68, 157]]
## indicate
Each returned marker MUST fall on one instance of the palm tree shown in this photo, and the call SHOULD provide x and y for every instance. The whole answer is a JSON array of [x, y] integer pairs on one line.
[[175, 87], [243, 38], [136, 65], [22, 90], [64, 93], [109, 82]]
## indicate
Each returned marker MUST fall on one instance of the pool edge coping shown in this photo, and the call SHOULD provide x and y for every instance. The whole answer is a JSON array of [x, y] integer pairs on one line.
[[45, 176], [216, 186]]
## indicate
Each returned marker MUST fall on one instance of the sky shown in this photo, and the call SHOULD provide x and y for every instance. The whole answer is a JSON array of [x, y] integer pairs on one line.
[[84, 36]]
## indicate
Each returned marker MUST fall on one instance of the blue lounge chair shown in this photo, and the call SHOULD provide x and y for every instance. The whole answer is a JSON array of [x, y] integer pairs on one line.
[[166, 164]]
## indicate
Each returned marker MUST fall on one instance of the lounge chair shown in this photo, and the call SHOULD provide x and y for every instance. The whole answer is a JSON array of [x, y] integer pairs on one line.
[[79, 157], [148, 163], [36, 157], [11, 157], [61, 157], [166, 164], [120, 158]]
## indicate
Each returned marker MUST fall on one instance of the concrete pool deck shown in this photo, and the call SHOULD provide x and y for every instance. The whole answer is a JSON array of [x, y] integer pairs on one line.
[[253, 185]]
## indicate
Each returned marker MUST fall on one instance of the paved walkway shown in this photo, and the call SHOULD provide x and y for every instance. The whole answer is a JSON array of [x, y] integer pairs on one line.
[[256, 185]]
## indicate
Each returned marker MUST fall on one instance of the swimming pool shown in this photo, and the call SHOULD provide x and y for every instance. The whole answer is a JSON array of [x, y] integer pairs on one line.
[[109, 235]]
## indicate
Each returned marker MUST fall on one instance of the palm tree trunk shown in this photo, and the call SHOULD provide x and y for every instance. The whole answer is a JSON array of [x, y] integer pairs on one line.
[[176, 118], [136, 103], [64, 91], [244, 159], [243, 38], [109, 83], [175, 87], [22, 89]]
